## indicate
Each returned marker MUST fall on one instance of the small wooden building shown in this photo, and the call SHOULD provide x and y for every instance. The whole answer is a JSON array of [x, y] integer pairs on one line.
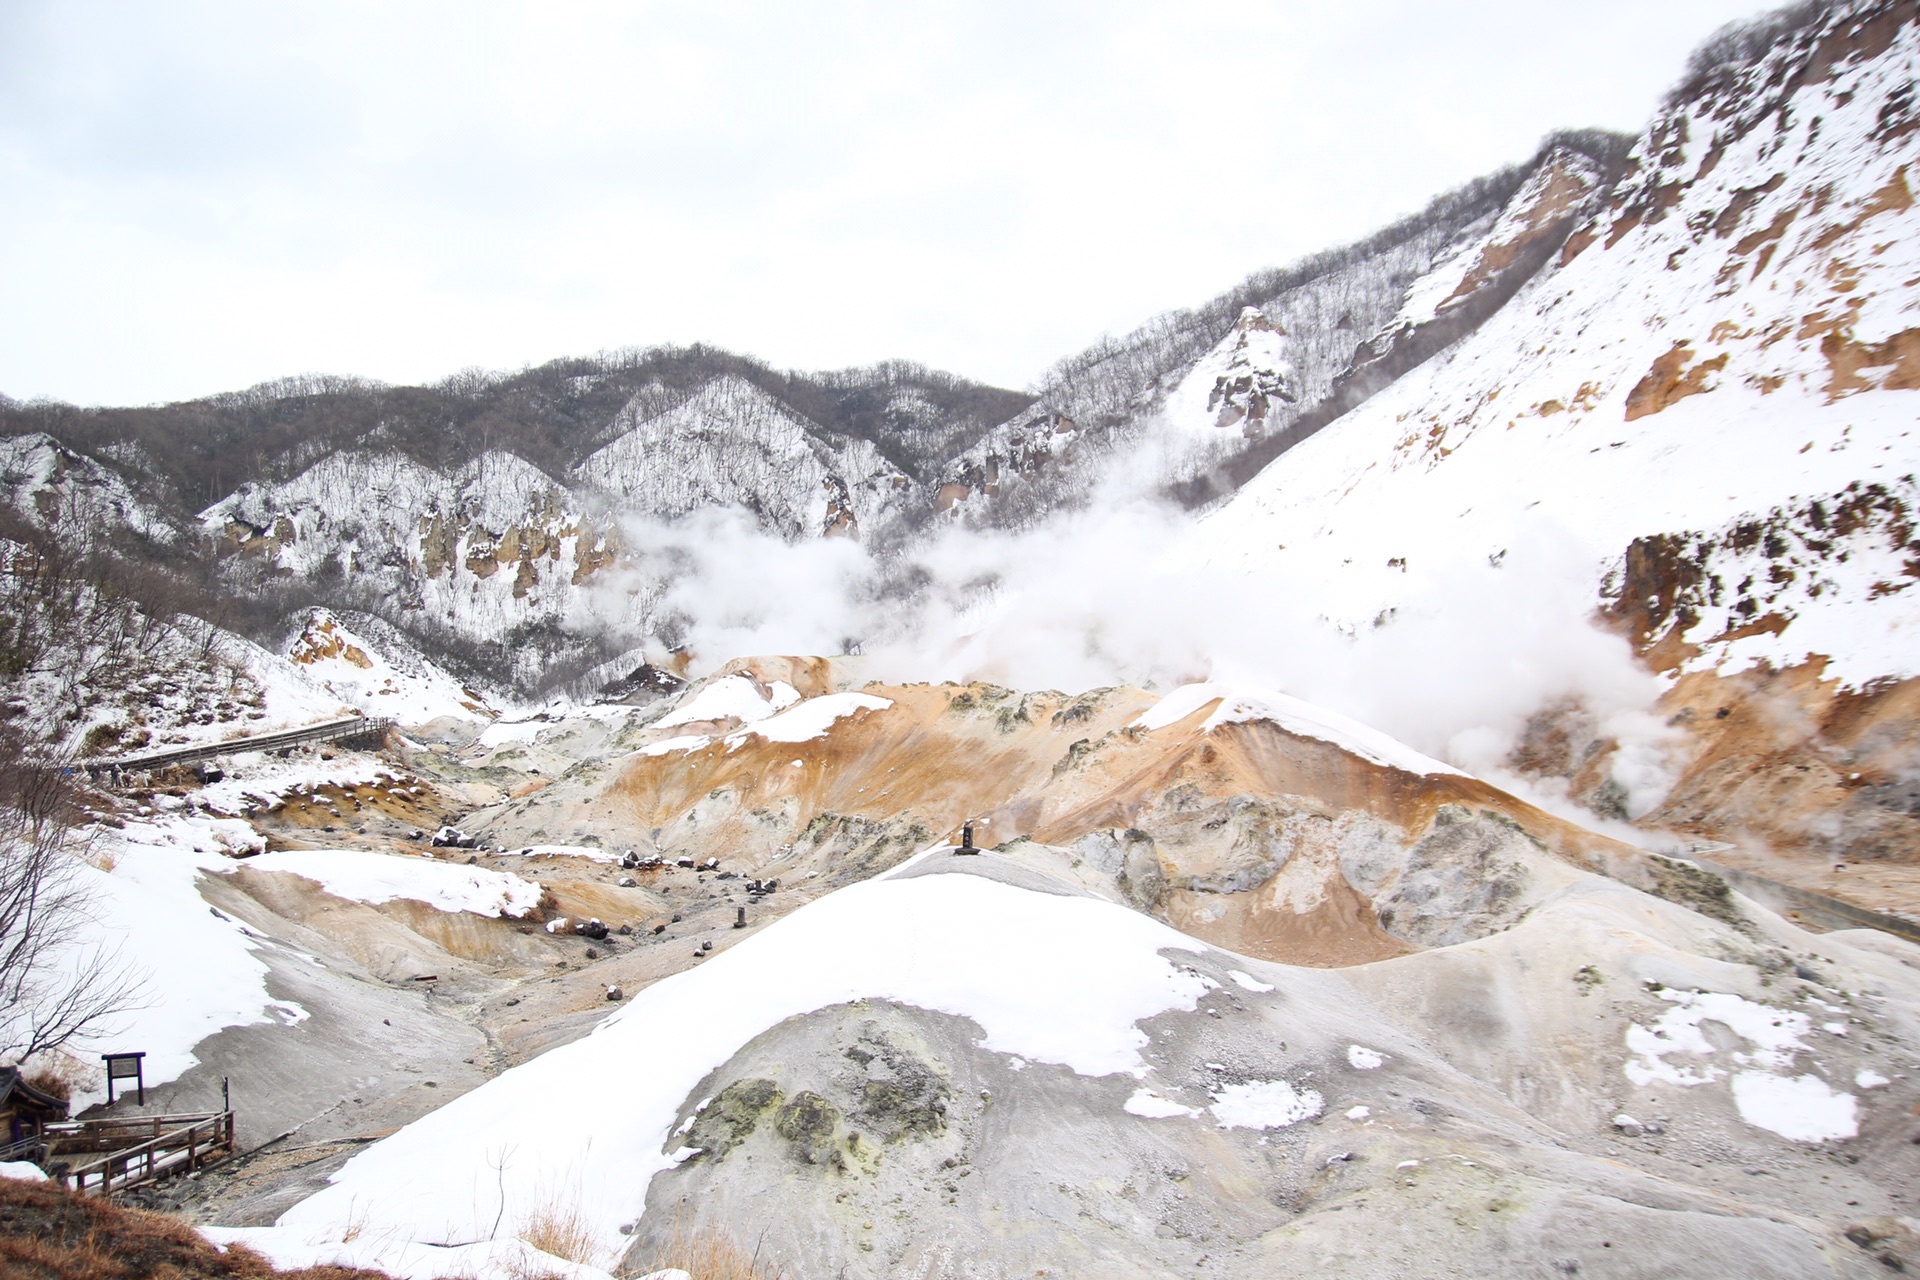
[[24, 1110]]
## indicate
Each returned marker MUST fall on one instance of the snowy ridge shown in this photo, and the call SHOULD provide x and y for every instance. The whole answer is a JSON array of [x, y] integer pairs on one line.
[[1725, 338], [391, 679], [1174, 386], [1237, 705], [730, 698], [1559, 188], [808, 720]]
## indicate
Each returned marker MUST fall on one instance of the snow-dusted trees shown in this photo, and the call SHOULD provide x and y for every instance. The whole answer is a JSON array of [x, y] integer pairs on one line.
[[56, 982]]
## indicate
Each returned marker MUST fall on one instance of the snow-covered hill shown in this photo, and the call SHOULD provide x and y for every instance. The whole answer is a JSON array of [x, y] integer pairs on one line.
[[1569, 521], [1703, 410], [60, 489], [731, 443], [1237, 375], [1723, 339], [384, 679]]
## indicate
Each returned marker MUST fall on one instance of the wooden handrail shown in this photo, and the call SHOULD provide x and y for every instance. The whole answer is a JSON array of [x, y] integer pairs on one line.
[[213, 1129]]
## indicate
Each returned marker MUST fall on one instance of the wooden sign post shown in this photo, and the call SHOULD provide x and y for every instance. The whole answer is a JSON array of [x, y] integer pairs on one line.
[[125, 1066]]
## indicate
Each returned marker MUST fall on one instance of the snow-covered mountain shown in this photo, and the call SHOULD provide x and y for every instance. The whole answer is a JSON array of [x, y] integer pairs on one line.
[[731, 443], [1702, 404], [834, 964], [485, 518]]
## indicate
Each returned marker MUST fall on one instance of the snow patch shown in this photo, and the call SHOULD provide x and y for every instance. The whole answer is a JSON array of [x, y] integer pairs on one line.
[[590, 852], [1264, 1104], [1803, 1108], [731, 698], [810, 719], [1238, 705], [374, 878], [692, 742], [1773, 1033], [1145, 1102]]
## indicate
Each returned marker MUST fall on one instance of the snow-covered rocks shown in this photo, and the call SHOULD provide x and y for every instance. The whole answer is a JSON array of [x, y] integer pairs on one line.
[[386, 679], [374, 878]]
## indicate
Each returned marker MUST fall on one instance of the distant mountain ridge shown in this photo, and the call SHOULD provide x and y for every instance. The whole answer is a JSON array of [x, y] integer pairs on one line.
[[482, 515]]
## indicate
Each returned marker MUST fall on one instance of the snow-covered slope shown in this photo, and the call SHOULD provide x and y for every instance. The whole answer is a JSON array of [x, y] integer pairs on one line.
[[58, 488], [1286, 350], [1726, 338], [91, 671], [970, 1067], [385, 679]]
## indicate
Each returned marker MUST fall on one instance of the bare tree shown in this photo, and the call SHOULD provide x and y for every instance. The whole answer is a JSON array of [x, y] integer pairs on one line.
[[54, 984]]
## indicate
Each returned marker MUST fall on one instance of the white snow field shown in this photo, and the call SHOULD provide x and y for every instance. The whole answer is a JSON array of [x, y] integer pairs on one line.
[[357, 875], [1048, 978], [199, 967]]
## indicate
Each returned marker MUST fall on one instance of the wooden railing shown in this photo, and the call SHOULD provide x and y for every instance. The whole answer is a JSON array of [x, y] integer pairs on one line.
[[31, 1149], [137, 1150]]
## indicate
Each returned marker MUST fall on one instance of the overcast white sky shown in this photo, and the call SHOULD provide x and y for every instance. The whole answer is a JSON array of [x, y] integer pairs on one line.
[[198, 196]]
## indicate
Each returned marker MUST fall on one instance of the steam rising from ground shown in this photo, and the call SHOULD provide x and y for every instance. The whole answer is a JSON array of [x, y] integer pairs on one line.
[[1103, 596]]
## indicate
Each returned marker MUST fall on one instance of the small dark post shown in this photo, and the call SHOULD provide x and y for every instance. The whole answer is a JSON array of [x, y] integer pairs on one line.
[[226, 1095], [966, 837], [740, 917], [125, 1066]]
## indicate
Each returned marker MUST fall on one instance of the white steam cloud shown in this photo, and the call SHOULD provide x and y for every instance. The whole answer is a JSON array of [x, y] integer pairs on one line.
[[1105, 595]]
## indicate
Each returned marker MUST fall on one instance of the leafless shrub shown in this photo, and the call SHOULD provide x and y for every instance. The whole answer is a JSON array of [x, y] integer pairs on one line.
[[54, 985]]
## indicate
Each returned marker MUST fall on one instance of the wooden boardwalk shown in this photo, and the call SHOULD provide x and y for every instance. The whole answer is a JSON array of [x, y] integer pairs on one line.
[[100, 1157], [331, 731]]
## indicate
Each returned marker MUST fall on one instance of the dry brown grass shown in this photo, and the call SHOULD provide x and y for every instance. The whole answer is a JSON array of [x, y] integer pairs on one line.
[[51, 1083], [709, 1254], [47, 1233], [561, 1228]]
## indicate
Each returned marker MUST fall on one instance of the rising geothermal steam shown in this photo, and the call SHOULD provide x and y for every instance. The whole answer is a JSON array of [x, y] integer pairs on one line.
[[1104, 596]]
